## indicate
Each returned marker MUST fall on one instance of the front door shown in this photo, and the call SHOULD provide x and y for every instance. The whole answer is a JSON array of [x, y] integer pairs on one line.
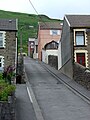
[[81, 58]]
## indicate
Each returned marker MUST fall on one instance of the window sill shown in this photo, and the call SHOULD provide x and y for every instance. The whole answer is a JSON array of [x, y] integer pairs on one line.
[[80, 46], [2, 47]]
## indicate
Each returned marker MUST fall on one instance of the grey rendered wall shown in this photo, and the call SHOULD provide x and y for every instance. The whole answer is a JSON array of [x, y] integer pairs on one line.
[[66, 51]]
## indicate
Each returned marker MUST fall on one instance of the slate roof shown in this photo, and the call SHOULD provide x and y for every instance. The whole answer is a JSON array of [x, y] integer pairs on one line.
[[78, 20], [50, 25], [8, 24]]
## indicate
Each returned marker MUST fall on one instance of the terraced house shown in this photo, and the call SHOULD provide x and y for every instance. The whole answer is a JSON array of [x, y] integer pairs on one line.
[[47, 32], [75, 42], [8, 43]]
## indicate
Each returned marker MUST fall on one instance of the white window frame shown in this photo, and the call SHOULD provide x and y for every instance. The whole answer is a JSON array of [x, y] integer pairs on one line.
[[80, 38], [51, 32], [85, 36], [2, 63], [3, 38]]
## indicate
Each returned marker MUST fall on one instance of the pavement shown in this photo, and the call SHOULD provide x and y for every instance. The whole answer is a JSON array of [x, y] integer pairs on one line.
[[24, 107], [27, 107]]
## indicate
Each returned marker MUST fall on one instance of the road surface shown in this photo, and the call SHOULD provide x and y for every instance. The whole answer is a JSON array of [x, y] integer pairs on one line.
[[55, 100]]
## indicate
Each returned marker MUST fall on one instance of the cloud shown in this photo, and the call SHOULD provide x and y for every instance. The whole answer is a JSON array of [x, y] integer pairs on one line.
[[51, 8]]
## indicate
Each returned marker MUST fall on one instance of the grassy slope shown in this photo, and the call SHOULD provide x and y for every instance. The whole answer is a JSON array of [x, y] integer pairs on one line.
[[26, 20]]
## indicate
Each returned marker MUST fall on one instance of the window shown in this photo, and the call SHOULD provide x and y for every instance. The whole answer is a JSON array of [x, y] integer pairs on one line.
[[1, 63], [80, 38], [54, 32], [2, 38]]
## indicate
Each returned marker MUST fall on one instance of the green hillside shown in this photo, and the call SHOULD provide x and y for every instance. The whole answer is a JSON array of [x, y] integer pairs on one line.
[[24, 21]]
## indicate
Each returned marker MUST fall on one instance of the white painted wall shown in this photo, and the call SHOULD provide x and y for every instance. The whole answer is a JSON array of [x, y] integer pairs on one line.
[[35, 55], [46, 53], [51, 52], [44, 56]]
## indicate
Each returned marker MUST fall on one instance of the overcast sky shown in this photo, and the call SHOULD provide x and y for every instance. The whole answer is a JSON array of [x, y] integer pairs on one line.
[[51, 8]]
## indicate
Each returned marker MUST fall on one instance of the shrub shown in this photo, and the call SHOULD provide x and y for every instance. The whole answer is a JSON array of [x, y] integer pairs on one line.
[[6, 90], [8, 73]]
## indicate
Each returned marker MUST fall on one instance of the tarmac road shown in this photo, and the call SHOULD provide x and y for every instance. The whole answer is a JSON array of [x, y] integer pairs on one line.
[[55, 100]]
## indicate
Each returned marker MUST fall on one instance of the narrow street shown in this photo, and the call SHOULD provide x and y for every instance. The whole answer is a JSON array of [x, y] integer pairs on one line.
[[55, 100]]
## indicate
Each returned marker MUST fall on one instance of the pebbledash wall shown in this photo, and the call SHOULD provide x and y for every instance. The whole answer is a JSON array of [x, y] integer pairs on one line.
[[9, 51]]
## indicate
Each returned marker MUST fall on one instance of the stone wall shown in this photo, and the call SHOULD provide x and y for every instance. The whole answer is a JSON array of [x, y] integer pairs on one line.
[[7, 109], [88, 47], [9, 51], [82, 75], [20, 70]]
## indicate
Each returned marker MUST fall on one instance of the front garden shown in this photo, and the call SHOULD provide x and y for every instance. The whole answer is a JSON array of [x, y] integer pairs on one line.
[[7, 95]]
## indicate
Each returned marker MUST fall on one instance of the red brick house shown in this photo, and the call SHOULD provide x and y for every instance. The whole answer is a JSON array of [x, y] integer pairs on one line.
[[47, 32], [8, 42]]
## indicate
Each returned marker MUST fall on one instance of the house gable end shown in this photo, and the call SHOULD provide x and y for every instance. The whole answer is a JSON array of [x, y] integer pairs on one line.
[[67, 21]]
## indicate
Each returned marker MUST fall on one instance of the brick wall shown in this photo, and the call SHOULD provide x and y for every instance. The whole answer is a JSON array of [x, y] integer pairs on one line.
[[44, 37], [82, 75]]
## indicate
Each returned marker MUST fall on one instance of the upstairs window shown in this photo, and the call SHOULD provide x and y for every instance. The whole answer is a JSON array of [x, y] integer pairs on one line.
[[1, 63], [2, 39], [80, 38], [54, 32]]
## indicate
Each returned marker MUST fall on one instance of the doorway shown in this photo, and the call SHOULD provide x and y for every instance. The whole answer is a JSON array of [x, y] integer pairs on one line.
[[81, 58]]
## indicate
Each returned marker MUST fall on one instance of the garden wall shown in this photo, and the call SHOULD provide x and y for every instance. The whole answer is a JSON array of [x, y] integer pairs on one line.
[[82, 75], [7, 109], [20, 70]]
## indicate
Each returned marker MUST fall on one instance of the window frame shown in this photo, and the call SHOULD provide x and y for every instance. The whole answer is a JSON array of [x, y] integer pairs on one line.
[[77, 33], [3, 39], [54, 30], [85, 36], [81, 51], [2, 63]]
